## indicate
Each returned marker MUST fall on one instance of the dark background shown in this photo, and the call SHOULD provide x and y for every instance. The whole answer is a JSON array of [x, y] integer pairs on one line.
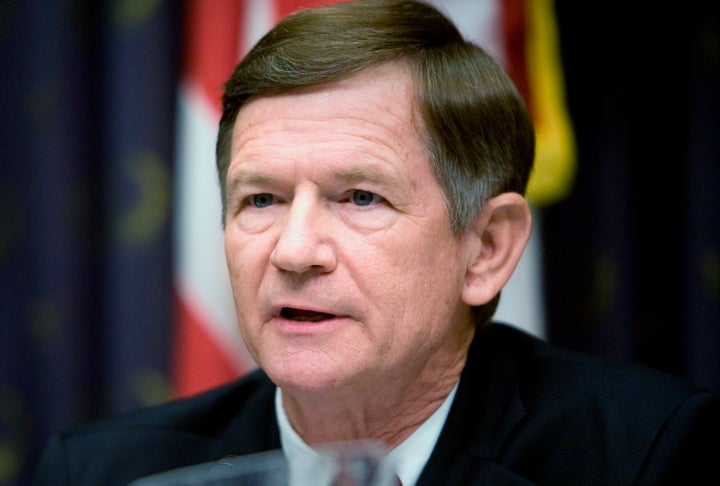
[[632, 256], [87, 107]]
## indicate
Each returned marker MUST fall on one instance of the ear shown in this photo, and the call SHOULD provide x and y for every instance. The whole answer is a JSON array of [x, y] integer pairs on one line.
[[498, 237]]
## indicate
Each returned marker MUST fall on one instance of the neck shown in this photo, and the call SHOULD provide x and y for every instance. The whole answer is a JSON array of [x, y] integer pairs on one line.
[[388, 413]]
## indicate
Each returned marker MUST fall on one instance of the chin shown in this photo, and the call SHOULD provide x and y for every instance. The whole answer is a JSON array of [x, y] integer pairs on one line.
[[310, 374]]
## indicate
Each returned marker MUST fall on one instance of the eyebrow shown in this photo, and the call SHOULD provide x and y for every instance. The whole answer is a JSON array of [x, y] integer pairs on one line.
[[363, 174], [247, 178], [345, 175]]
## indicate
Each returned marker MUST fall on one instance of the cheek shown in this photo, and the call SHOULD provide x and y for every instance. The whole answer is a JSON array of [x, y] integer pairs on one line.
[[413, 276], [246, 260], [424, 256]]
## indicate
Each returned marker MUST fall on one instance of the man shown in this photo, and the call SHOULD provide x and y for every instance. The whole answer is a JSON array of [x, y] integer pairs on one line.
[[372, 166]]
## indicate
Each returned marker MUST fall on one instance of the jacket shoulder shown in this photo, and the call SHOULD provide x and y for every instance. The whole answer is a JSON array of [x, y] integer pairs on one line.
[[550, 373], [615, 421], [167, 436]]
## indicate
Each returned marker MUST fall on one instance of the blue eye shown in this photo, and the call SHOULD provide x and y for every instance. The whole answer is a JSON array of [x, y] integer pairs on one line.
[[363, 198], [261, 200]]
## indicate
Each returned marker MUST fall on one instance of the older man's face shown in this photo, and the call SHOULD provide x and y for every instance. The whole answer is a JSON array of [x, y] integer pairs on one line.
[[344, 267]]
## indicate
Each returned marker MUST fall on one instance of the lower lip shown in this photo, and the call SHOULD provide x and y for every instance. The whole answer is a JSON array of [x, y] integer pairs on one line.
[[290, 326]]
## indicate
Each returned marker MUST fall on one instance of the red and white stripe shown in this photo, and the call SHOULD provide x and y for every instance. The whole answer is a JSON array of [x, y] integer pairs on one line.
[[207, 348]]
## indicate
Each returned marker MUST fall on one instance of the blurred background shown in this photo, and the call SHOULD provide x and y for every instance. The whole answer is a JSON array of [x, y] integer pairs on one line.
[[113, 291]]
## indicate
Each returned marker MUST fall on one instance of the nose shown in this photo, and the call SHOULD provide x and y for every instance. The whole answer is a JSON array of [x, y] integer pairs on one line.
[[304, 243]]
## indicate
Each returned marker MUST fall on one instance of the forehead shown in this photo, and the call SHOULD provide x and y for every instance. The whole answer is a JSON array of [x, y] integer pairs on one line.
[[374, 109]]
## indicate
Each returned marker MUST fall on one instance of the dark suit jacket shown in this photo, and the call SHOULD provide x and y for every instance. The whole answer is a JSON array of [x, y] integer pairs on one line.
[[525, 412]]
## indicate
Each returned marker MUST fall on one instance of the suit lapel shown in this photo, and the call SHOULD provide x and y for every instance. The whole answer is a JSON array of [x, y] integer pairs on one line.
[[486, 410], [254, 429]]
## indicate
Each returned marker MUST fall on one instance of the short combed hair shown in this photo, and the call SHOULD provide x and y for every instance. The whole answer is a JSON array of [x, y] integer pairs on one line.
[[475, 125]]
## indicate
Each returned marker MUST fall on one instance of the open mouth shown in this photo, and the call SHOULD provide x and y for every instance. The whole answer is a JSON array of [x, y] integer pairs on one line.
[[303, 315]]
